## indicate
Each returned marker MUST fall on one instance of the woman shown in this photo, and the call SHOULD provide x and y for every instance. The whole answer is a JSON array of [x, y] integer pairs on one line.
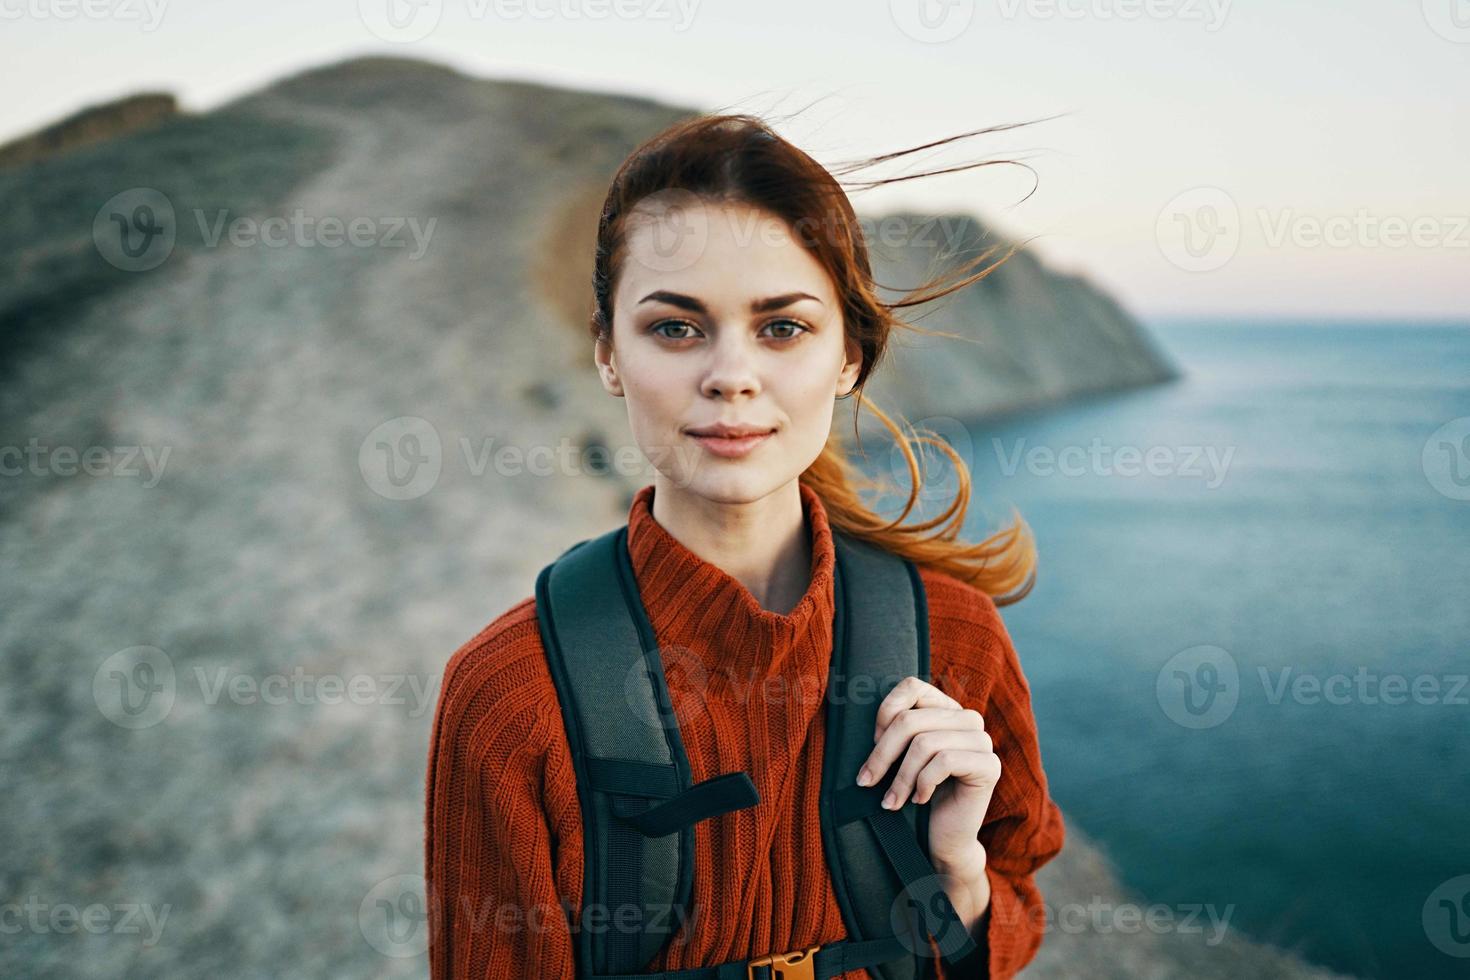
[[734, 306]]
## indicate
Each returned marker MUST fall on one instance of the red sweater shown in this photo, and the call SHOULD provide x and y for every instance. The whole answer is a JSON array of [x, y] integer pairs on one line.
[[503, 848]]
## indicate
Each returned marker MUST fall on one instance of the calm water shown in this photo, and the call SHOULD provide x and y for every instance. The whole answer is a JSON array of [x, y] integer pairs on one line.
[[1316, 548]]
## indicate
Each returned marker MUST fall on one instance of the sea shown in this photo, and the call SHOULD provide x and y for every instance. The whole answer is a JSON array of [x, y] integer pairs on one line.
[[1249, 639]]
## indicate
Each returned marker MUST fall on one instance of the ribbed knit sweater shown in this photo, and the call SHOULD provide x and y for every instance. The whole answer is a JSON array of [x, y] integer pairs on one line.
[[503, 847]]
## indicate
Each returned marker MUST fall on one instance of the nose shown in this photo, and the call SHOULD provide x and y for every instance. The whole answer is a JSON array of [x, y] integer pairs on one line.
[[732, 369]]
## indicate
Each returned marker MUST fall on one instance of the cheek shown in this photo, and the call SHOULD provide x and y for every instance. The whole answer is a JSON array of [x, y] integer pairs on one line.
[[656, 395], [807, 398], [815, 379]]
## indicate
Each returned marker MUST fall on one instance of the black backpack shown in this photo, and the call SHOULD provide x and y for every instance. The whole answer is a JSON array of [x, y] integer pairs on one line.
[[639, 807]]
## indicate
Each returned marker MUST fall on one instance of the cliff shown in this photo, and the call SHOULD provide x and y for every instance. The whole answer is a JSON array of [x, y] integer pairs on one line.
[[1022, 337]]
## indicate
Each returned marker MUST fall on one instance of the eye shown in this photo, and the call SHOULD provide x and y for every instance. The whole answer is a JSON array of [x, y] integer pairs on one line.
[[788, 322], [657, 327]]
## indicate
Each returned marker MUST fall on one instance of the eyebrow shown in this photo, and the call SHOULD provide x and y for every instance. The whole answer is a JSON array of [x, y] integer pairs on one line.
[[695, 306]]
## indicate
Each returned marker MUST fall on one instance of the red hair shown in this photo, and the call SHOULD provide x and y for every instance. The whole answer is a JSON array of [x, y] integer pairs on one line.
[[738, 158]]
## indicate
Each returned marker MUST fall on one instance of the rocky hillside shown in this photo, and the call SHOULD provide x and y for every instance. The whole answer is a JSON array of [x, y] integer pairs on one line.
[[1022, 337], [263, 499], [93, 124]]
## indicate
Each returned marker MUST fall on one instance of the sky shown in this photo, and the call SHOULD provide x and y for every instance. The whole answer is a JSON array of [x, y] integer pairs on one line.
[[1207, 158]]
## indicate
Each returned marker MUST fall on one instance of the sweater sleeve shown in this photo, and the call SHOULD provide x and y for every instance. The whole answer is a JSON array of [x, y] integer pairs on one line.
[[975, 662], [493, 906]]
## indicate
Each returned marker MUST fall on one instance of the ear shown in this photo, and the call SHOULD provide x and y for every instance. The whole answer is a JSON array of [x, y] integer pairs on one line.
[[606, 358], [848, 376]]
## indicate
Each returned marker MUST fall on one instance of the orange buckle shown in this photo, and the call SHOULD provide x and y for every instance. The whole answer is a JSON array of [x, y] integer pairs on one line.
[[795, 965]]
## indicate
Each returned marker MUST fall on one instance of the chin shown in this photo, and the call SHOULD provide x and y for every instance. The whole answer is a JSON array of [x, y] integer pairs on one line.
[[727, 483]]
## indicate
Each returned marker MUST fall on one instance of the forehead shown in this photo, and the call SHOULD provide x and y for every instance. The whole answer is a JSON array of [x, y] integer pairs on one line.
[[716, 251]]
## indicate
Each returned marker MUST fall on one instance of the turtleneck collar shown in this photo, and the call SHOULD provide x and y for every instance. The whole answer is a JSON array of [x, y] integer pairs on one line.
[[699, 607]]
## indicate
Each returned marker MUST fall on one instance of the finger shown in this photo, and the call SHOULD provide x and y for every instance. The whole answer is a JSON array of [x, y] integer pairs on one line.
[[895, 737], [968, 766], [921, 751], [911, 692]]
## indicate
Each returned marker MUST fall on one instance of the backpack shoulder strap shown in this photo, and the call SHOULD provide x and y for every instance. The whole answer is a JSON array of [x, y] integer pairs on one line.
[[633, 779], [879, 859]]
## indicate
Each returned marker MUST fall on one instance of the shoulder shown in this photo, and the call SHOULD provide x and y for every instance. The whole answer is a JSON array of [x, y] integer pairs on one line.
[[499, 646], [970, 648], [497, 689]]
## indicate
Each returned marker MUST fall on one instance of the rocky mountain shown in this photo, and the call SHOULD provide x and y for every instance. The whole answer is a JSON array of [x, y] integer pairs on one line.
[[1023, 337]]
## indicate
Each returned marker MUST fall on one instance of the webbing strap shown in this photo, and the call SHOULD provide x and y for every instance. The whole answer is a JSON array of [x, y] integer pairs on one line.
[[633, 777], [830, 961], [923, 891], [624, 880], [922, 888], [732, 791]]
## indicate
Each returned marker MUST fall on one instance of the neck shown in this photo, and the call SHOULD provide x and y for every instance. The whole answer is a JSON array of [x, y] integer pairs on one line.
[[764, 544]]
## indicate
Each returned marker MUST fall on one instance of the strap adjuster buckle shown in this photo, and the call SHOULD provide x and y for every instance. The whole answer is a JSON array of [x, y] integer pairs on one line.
[[799, 964]]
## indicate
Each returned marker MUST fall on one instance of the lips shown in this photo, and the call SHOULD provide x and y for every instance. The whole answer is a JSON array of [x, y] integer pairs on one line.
[[731, 431], [720, 441]]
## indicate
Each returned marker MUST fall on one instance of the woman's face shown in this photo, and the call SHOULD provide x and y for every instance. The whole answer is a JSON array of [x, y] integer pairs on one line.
[[720, 316]]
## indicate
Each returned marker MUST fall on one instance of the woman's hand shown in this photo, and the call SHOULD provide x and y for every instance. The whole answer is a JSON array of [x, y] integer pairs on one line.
[[948, 761]]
